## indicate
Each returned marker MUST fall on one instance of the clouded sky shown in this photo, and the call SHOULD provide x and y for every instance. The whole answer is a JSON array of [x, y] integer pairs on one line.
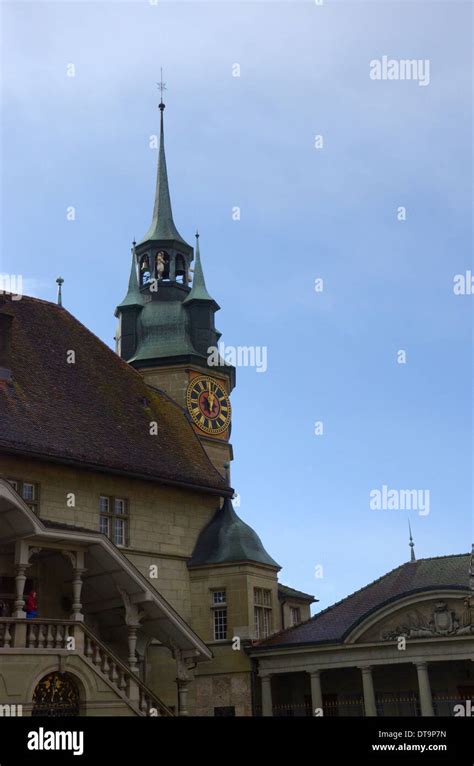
[[306, 213]]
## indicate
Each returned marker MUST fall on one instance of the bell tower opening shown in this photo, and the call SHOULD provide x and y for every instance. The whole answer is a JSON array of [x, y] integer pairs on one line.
[[180, 269]]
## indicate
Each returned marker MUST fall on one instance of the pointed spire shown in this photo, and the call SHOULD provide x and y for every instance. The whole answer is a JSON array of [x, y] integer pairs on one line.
[[412, 545], [162, 226], [133, 296], [199, 289]]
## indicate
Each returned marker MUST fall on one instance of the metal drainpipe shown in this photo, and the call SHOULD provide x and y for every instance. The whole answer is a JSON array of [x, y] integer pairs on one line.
[[282, 615]]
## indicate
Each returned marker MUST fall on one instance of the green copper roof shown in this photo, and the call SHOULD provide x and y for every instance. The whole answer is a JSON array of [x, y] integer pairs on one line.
[[162, 226], [199, 289], [227, 538], [162, 331], [133, 296]]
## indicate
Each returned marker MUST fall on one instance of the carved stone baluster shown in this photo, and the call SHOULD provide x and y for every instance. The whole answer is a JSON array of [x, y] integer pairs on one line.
[[113, 675], [105, 664], [41, 631], [7, 636], [49, 636], [96, 654], [88, 647], [124, 683]]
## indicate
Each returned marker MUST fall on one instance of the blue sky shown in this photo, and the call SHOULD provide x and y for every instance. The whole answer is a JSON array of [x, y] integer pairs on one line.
[[248, 141]]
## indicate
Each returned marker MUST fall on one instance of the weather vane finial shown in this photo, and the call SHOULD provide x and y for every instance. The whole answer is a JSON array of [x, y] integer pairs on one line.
[[162, 88], [411, 544]]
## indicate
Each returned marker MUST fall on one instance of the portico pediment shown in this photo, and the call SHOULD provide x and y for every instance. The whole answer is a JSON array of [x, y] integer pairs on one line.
[[422, 617]]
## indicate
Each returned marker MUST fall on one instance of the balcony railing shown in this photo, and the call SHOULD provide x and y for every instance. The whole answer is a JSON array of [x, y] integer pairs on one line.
[[388, 705]]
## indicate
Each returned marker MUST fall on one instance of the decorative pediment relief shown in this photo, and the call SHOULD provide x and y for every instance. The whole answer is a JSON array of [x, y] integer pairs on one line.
[[428, 619]]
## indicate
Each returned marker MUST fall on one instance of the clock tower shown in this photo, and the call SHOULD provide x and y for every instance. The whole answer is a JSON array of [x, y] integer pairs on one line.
[[166, 325]]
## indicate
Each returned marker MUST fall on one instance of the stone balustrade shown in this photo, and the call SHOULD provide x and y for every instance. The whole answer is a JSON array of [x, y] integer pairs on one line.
[[67, 635]]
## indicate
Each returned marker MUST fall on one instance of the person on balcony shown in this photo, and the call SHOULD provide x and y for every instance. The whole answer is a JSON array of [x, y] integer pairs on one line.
[[31, 606]]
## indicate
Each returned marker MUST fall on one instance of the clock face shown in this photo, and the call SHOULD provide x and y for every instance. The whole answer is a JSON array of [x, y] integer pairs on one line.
[[208, 405]]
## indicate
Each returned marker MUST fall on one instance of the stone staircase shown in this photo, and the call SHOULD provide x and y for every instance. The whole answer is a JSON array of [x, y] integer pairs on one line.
[[65, 636]]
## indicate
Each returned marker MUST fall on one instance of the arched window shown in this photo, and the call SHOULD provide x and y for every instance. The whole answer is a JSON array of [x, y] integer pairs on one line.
[[145, 274], [180, 270], [57, 694], [162, 265]]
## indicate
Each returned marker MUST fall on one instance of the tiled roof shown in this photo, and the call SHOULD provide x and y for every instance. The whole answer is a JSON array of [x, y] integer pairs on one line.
[[333, 623], [95, 412], [284, 592]]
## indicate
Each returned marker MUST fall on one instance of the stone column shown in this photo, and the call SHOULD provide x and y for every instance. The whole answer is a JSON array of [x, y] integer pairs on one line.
[[183, 687], [267, 704], [132, 643], [172, 267], [76, 590], [424, 687], [316, 693], [369, 695], [133, 616], [183, 665], [20, 579]]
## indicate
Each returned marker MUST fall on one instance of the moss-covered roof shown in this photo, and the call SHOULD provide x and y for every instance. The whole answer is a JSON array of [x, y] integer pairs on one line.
[[226, 538], [95, 412]]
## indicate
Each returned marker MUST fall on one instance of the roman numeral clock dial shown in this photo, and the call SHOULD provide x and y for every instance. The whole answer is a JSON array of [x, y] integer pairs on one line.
[[208, 405]]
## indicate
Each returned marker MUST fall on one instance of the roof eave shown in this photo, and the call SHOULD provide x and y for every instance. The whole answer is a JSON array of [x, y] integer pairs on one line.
[[99, 468]]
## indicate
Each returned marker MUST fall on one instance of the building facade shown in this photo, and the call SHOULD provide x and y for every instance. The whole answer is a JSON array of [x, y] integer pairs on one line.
[[401, 646], [116, 516]]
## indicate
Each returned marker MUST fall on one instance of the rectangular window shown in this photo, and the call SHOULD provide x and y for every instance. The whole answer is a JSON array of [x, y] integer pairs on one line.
[[220, 624], [105, 525], [218, 597], [262, 613], [219, 614], [28, 491], [114, 519], [295, 615], [119, 506]]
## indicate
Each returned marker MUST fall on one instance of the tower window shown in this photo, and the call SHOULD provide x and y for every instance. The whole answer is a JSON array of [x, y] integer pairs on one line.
[[219, 614], [180, 269], [162, 265], [145, 273], [114, 519], [262, 612]]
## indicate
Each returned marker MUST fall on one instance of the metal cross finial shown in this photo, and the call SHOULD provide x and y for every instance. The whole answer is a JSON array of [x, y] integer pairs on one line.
[[161, 86]]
